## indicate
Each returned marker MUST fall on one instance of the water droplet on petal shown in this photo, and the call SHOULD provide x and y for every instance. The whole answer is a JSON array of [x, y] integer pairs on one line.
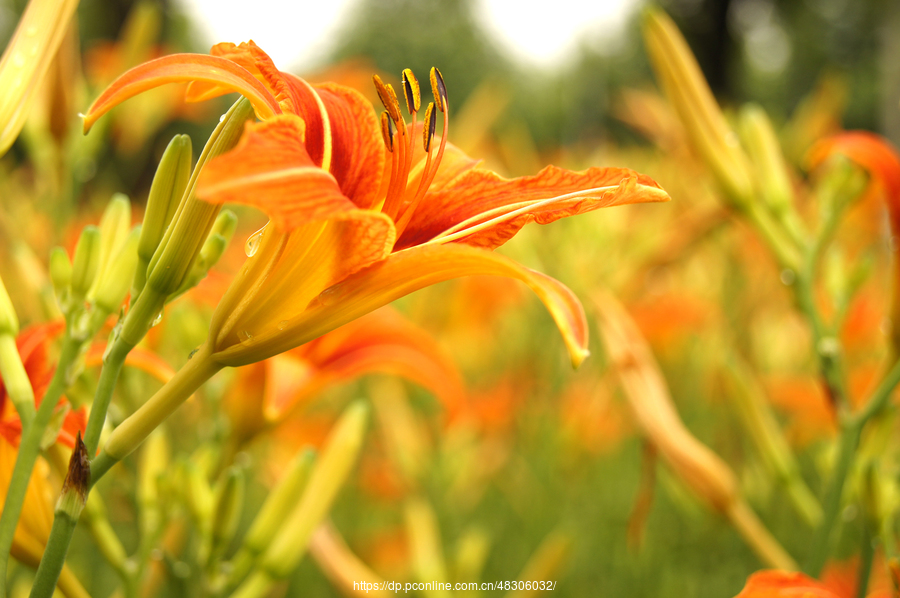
[[244, 335], [18, 59], [193, 353], [252, 245], [328, 297], [787, 277], [157, 319], [221, 118], [282, 324]]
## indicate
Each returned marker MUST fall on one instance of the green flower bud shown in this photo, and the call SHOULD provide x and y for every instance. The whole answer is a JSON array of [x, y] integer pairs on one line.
[[765, 154], [331, 471], [113, 283], [279, 503], [166, 191], [154, 462], [60, 273], [184, 238], [198, 495], [9, 321], [227, 510], [86, 261], [114, 226]]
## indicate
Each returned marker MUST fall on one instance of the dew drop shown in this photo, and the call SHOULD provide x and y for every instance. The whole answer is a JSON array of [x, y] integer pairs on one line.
[[327, 297], [244, 335], [788, 277], [193, 353], [252, 244], [18, 60], [222, 118], [157, 319], [282, 324]]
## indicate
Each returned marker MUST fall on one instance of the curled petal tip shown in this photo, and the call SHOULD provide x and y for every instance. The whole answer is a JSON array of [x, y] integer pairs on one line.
[[578, 355]]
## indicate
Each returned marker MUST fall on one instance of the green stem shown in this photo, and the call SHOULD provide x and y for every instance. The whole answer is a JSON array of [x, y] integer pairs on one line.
[[29, 448], [831, 505], [867, 551], [109, 375], [54, 556]]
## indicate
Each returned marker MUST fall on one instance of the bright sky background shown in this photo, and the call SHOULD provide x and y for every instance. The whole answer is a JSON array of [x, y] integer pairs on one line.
[[538, 36]]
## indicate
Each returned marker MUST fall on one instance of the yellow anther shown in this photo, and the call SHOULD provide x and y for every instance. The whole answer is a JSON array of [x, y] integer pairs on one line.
[[428, 131], [411, 91], [387, 131], [388, 98], [438, 89]]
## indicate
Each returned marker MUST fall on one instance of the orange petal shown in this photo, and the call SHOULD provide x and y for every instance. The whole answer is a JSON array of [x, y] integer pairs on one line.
[[494, 208], [357, 160], [311, 258], [784, 584], [383, 341], [271, 170], [875, 154], [179, 68], [400, 274]]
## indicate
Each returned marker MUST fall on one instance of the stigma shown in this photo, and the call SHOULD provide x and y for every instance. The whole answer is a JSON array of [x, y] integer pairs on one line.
[[400, 201]]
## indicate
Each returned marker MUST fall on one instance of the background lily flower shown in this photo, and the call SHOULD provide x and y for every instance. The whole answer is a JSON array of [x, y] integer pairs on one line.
[[267, 393]]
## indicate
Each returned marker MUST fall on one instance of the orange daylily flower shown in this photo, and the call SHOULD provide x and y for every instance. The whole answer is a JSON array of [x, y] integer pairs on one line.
[[838, 581], [267, 393], [358, 218], [33, 529]]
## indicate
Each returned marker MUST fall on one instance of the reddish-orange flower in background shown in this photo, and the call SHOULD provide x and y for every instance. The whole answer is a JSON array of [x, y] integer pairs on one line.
[[360, 214]]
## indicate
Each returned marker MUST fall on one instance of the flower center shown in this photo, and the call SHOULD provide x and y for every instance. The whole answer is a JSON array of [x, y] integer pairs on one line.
[[400, 202]]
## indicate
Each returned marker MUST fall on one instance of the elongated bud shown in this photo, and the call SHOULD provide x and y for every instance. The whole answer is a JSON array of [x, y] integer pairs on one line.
[[166, 191], [9, 321], [425, 541], [86, 261], [338, 456], [680, 76], [198, 494], [60, 272], [114, 227], [211, 252], [229, 502], [549, 557], [765, 153], [26, 60], [154, 463], [114, 282], [278, 504], [78, 480], [472, 550], [194, 219]]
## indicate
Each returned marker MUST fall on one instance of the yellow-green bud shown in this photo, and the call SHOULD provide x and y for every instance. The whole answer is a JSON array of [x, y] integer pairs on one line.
[[185, 236], [279, 503], [114, 226], [86, 261], [166, 191], [114, 282], [198, 494], [765, 153], [154, 462], [329, 474], [227, 511], [60, 272], [425, 541], [9, 321]]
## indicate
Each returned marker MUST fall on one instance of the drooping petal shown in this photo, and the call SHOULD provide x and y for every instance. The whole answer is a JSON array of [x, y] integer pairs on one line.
[[180, 68], [484, 209], [313, 257], [398, 275], [875, 154], [271, 169]]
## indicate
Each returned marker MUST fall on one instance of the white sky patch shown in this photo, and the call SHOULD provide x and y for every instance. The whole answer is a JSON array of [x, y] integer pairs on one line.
[[547, 32], [297, 34]]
